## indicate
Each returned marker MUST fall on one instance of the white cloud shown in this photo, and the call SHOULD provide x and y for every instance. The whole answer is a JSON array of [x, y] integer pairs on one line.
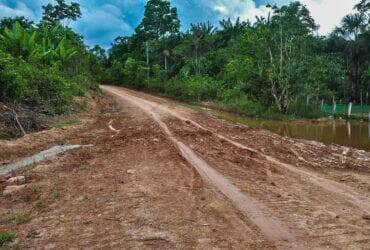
[[245, 9], [20, 9], [222, 9], [327, 13]]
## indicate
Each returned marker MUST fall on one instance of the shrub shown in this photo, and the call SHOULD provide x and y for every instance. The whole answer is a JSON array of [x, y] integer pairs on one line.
[[158, 79], [234, 100], [202, 88], [175, 87], [135, 73], [12, 87], [6, 237]]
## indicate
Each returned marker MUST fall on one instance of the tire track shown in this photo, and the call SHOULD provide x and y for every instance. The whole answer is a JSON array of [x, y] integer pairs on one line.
[[331, 186], [256, 212]]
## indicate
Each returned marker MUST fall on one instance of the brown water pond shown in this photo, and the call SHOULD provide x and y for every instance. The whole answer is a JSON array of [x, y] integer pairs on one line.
[[348, 133]]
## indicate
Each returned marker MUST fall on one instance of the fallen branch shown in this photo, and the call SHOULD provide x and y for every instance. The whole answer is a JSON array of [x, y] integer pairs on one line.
[[16, 119], [19, 124]]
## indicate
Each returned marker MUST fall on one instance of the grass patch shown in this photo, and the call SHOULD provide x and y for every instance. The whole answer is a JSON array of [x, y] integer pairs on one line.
[[7, 237], [35, 190], [40, 204], [56, 193], [66, 123], [7, 135], [20, 218]]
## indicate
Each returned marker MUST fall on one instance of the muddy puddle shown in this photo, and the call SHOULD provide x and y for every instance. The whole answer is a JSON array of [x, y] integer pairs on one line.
[[347, 133]]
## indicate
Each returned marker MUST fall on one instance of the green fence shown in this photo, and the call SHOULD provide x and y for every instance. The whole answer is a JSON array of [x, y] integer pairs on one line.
[[360, 111]]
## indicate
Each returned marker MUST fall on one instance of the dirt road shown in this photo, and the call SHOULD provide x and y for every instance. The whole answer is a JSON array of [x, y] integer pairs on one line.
[[161, 175]]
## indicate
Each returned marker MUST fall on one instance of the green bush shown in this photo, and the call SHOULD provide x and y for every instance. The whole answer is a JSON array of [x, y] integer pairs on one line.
[[135, 73], [202, 88], [158, 79], [236, 101], [6, 237], [35, 84], [300, 109], [175, 87], [11, 86], [44, 66]]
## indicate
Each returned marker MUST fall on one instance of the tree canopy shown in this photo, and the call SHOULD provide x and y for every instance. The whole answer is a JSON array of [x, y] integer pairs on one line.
[[278, 63]]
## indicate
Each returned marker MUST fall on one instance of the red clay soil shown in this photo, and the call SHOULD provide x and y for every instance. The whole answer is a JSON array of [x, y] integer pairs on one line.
[[161, 176]]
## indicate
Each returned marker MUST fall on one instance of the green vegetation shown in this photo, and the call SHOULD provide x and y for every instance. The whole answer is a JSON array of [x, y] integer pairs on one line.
[[6, 237], [20, 218], [40, 204], [276, 67], [47, 64], [341, 110]]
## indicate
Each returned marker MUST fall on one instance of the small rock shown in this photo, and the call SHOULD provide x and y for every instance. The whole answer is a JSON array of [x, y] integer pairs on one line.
[[17, 179], [130, 171], [12, 189], [81, 198], [337, 216], [366, 217]]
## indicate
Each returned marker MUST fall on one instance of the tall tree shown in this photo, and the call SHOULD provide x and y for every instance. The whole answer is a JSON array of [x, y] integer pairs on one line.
[[56, 14], [159, 20], [352, 34]]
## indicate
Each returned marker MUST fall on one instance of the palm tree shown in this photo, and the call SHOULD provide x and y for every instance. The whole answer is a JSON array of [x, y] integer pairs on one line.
[[352, 27], [354, 24], [230, 30], [363, 6], [200, 33]]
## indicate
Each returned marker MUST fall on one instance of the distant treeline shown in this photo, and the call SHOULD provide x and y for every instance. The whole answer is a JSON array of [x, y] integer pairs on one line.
[[276, 65]]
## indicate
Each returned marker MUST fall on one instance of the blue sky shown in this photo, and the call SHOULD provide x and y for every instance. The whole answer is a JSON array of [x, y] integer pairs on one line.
[[103, 20]]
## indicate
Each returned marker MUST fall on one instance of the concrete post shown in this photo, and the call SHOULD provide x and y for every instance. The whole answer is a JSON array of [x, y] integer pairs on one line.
[[350, 109]]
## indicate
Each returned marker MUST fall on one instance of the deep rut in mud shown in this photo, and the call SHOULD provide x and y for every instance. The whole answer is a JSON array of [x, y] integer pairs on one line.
[[324, 228]]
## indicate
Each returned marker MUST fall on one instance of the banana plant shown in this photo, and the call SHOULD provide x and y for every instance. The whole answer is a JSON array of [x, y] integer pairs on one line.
[[19, 41], [65, 51]]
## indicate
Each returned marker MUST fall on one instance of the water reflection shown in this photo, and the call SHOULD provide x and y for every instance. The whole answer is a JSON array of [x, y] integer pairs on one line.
[[352, 133]]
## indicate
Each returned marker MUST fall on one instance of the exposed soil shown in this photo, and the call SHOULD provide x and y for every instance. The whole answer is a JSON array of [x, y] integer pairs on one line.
[[162, 176]]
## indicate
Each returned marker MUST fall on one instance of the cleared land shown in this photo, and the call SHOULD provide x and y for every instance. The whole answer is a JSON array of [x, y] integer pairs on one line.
[[163, 176]]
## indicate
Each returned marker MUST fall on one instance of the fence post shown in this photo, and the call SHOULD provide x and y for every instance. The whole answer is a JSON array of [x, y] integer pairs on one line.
[[322, 104], [350, 109], [334, 107], [349, 129]]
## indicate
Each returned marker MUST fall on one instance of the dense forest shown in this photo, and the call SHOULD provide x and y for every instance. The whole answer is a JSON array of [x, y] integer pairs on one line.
[[279, 64], [45, 65], [276, 65]]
